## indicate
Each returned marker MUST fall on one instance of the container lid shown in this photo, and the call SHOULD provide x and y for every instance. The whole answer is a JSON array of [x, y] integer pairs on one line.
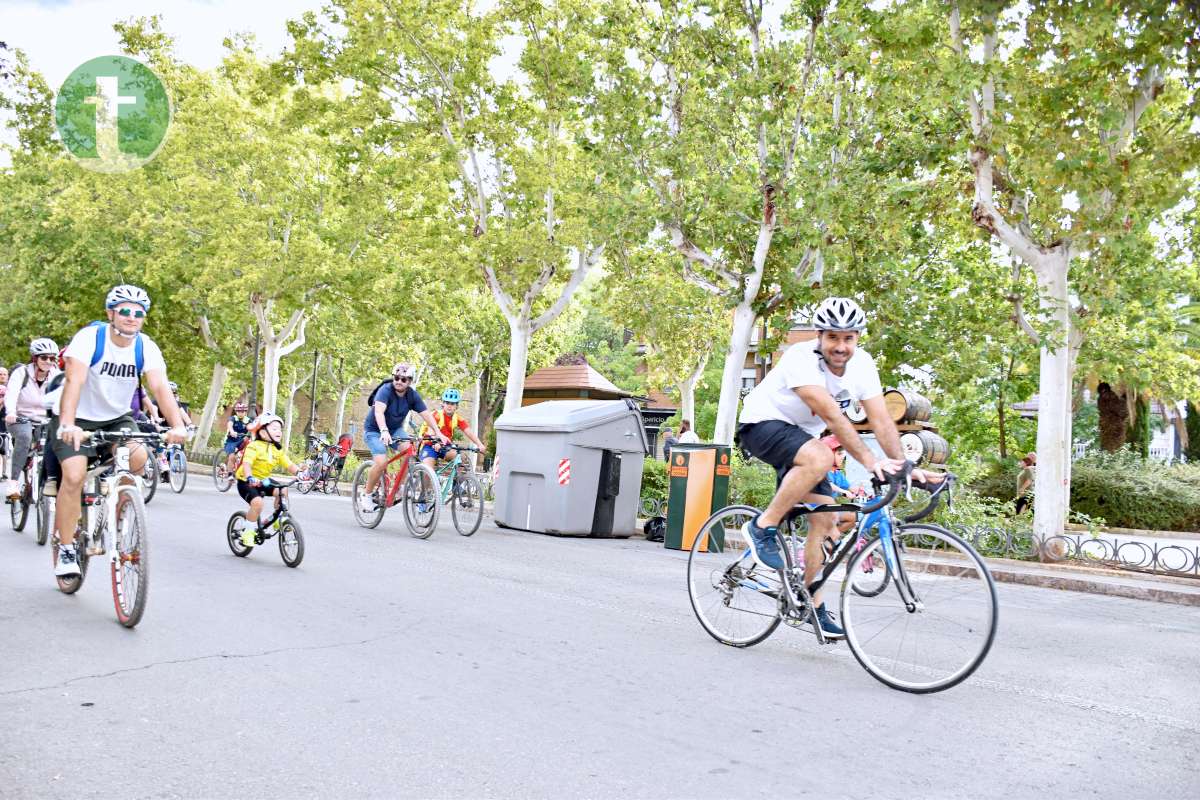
[[566, 416]]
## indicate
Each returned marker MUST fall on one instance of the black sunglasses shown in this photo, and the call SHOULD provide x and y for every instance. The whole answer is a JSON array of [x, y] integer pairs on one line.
[[46, 358], [136, 313], [401, 379]]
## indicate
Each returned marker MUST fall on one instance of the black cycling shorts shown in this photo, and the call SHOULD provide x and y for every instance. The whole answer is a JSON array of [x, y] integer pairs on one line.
[[776, 442], [249, 493]]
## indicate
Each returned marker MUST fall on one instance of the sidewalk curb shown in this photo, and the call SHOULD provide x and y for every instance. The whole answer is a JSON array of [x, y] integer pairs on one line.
[[1131, 588]]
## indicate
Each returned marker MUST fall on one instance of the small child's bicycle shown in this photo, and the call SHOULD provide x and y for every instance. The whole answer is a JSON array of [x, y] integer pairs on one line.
[[281, 524], [462, 491]]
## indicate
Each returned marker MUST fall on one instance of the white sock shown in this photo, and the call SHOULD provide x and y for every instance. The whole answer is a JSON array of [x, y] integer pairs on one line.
[[264, 518]]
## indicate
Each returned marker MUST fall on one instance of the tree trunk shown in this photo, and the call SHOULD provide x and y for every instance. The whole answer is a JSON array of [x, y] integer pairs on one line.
[[687, 393], [518, 357], [475, 398], [1051, 487], [289, 415], [1139, 434], [1114, 417], [731, 376], [216, 388], [270, 379], [341, 409]]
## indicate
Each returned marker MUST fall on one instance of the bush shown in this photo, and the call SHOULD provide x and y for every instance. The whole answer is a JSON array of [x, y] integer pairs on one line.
[[751, 483], [1120, 489], [654, 480]]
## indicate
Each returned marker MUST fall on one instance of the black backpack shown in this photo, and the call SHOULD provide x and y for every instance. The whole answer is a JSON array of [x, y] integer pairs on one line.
[[371, 396]]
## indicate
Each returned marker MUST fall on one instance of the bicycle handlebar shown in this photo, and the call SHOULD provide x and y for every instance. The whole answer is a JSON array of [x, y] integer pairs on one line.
[[894, 480], [936, 490]]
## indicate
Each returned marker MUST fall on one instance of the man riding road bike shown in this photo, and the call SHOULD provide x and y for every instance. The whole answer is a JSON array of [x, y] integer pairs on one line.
[[782, 418]]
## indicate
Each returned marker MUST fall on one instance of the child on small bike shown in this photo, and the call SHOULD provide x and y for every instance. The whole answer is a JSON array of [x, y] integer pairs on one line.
[[260, 458], [448, 423]]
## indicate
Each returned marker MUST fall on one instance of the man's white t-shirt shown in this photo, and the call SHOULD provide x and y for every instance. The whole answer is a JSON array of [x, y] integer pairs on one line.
[[108, 391], [801, 365]]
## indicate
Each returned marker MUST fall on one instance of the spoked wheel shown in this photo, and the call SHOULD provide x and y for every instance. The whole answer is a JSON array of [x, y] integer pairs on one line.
[[149, 478], [466, 504], [735, 599], [935, 623], [45, 518], [357, 489], [178, 473], [421, 500], [222, 477], [306, 478], [19, 508], [233, 535], [870, 575], [291, 542], [72, 584], [130, 564]]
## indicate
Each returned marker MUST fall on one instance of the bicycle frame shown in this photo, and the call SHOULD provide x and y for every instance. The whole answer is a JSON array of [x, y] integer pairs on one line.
[[393, 486]]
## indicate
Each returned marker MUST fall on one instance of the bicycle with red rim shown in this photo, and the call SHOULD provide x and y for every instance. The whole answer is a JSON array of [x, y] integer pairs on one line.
[[405, 482]]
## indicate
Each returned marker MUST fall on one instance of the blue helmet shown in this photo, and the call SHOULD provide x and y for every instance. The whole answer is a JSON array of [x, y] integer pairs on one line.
[[451, 396]]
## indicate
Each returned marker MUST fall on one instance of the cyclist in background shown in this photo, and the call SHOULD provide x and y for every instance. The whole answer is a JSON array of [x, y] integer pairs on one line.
[[448, 423], [236, 431], [24, 403], [183, 407]]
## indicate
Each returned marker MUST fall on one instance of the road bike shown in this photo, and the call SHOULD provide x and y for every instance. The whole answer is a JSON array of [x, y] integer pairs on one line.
[[29, 484], [112, 522], [922, 625], [462, 491], [281, 524], [405, 482]]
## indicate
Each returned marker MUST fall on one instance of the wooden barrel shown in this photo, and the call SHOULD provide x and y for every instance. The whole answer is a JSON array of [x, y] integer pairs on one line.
[[856, 413], [924, 447], [905, 405]]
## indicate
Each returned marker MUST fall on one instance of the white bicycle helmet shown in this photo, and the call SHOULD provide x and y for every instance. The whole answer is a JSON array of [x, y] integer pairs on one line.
[[126, 293], [404, 371], [839, 314], [173, 386], [43, 347], [264, 419]]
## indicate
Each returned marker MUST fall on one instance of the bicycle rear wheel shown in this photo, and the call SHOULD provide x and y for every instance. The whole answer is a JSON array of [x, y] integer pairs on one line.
[[233, 535], [221, 476], [306, 478], [291, 542], [149, 478], [421, 500], [368, 519], [178, 474], [72, 584], [130, 562], [939, 639], [466, 504], [735, 600], [870, 576]]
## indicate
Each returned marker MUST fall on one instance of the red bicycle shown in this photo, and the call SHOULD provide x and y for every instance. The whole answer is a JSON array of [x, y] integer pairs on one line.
[[405, 482]]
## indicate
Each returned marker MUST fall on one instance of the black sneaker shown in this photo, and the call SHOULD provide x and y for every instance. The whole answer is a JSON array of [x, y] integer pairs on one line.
[[68, 564], [828, 623]]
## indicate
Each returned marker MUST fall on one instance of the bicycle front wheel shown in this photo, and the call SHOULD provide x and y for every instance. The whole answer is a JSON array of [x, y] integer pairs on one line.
[[45, 518], [937, 620], [736, 600], [421, 500], [19, 509], [130, 563], [466, 504], [291, 542], [178, 474], [221, 476], [358, 488], [306, 478]]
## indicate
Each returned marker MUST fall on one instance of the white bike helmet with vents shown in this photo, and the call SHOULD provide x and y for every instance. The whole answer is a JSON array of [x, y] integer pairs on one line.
[[839, 314], [126, 293], [43, 347]]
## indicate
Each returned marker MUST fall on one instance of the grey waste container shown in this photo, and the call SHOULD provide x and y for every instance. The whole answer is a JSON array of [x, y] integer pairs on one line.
[[570, 467]]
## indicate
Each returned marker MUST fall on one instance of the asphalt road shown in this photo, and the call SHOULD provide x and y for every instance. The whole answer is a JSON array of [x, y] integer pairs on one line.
[[518, 665]]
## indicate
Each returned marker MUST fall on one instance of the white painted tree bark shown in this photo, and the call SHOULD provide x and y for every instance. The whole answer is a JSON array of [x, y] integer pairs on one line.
[[290, 413], [687, 391], [276, 345], [216, 387], [1051, 267]]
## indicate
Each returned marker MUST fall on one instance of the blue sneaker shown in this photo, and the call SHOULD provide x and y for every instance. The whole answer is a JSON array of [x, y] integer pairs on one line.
[[764, 544], [828, 623]]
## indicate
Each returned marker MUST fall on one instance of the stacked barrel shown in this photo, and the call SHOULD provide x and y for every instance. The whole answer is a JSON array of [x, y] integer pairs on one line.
[[911, 412]]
